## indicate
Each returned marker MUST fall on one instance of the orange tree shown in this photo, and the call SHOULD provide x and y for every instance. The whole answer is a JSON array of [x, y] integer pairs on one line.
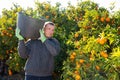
[[95, 44], [88, 34]]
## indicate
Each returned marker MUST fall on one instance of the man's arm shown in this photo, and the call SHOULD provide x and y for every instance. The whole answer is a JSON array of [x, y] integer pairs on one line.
[[23, 49], [53, 46]]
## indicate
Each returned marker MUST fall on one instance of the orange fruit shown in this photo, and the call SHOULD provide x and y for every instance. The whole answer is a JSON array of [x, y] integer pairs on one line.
[[76, 35], [47, 17], [76, 72], [77, 65], [101, 41], [91, 59], [104, 54], [97, 67], [77, 77], [10, 35], [80, 18], [98, 40], [107, 19], [87, 27], [82, 61], [102, 19], [72, 57], [10, 72], [10, 28], [74, 54]]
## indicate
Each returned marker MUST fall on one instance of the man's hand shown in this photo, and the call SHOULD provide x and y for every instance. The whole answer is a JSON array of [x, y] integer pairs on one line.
[[42, 36], [17, 34]]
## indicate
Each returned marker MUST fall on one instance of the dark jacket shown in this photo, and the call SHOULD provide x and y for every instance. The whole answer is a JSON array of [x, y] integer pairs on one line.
[[40, 56]]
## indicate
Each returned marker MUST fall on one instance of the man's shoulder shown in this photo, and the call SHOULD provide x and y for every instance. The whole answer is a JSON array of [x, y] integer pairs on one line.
[[53, 39]]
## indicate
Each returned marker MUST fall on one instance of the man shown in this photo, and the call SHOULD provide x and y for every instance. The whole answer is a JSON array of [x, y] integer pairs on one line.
[[39, 53]]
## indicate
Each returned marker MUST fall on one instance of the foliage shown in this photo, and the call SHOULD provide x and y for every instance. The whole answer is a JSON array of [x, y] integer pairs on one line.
[[92, 44], [89, 37]]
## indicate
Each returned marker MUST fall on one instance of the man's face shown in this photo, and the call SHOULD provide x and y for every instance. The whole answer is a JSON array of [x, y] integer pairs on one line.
[[49, 30]]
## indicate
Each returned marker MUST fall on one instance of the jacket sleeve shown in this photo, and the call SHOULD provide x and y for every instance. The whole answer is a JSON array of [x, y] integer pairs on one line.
[[23, 49], [53, 46]]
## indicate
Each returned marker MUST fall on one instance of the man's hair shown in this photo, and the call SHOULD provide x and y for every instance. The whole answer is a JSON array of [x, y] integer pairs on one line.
[[48, 22]]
